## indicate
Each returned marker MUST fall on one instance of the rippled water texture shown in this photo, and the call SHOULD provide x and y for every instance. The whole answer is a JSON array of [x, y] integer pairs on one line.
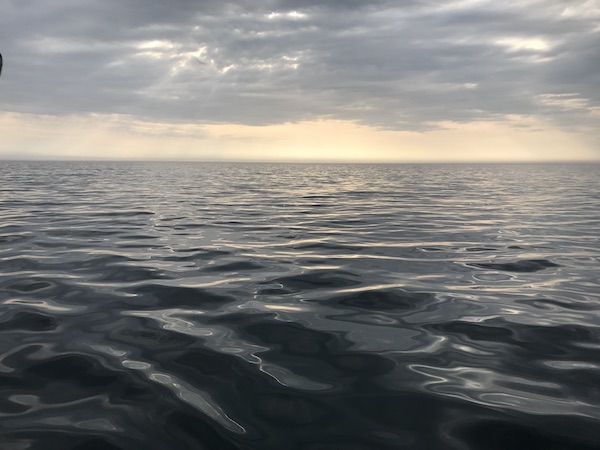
[[215, 306]]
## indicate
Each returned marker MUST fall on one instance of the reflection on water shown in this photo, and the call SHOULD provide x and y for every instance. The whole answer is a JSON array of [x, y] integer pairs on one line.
[[259, 306]]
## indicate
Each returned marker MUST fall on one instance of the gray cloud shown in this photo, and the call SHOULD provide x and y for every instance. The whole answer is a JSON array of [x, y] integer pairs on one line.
[[399, 65]]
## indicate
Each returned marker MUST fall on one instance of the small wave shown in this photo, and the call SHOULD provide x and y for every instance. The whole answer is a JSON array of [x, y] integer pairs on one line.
[[237, 266], [322, 278], [384, 300], [150, 295], [523, 266]]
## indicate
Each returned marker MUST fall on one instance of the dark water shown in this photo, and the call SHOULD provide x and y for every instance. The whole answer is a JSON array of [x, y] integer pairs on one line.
[[190, 306]]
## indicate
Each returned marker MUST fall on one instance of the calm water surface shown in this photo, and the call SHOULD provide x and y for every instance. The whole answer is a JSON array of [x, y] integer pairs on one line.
[[250, 306]]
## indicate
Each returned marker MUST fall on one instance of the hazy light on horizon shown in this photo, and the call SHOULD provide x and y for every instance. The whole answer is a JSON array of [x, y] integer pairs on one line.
[[116, 137]]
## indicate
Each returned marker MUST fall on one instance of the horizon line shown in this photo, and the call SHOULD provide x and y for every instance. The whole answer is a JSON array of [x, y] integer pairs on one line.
[[303, 161]]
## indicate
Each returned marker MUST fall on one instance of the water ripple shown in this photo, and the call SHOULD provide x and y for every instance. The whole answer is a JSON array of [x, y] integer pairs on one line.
[[260, 306]]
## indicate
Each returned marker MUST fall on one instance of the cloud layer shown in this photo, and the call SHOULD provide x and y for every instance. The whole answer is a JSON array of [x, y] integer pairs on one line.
[[407, 65]]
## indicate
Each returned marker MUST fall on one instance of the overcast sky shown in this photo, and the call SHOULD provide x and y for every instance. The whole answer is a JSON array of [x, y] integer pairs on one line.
[[293, 79]]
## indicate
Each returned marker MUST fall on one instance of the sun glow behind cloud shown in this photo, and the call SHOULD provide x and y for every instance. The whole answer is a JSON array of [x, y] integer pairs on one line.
[[524, 43], [290, 15]]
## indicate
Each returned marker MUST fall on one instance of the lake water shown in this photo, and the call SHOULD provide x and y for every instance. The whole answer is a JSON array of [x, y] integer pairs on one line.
[[290, 306]]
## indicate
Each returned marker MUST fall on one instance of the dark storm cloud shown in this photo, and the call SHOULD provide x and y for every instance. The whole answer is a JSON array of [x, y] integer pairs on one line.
[[399, 65]]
